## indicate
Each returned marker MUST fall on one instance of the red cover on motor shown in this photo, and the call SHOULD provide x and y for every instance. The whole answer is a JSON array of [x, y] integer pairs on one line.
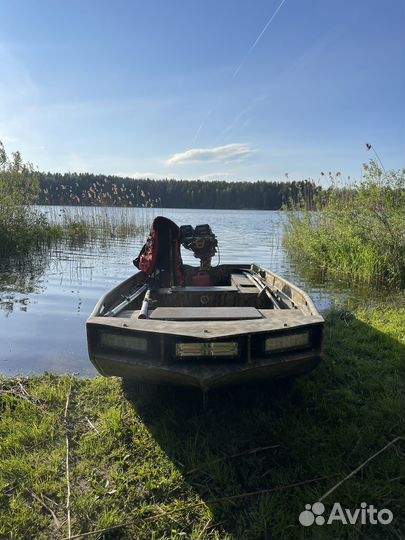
[[202, 279]]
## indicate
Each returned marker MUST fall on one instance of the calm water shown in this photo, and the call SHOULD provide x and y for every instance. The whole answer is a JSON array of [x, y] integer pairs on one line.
[[44, 302]]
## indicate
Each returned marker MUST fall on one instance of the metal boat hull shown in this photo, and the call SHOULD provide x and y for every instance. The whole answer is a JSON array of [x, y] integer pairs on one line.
[[208, 377], [148, 349]]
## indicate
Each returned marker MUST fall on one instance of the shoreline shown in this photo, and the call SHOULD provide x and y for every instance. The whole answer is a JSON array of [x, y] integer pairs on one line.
[[153, 456]]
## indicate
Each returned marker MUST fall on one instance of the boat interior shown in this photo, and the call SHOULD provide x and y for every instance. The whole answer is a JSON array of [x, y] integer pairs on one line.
[[231, 320], [168, 290], [235, 293]]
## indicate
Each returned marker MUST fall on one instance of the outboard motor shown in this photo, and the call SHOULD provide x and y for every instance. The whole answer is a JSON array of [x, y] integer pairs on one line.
[[203, 243]]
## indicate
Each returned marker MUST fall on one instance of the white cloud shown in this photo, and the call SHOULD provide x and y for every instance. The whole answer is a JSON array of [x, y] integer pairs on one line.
[[229, 152], [215, 176], [159, 176], [143, 175]]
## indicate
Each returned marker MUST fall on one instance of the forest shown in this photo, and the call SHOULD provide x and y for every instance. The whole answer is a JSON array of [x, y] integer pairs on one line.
[[100, 190]]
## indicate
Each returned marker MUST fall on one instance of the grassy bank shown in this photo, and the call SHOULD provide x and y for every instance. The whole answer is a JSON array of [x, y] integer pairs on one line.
[[159, 461], [356, 234]]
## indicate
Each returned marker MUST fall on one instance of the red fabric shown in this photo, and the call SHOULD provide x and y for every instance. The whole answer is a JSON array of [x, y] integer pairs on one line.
[[147, 261], [154, 254], [201, 279]]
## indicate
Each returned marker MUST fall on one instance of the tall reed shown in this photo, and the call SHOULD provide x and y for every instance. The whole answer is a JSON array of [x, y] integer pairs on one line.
[[355, 233], [24, 227]]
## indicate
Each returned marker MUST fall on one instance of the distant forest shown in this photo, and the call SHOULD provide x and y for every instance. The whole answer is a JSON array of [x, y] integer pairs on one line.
[[99, 190]]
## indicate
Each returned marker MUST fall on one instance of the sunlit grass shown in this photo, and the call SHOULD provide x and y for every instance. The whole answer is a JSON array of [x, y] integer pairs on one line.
[[158, 458]]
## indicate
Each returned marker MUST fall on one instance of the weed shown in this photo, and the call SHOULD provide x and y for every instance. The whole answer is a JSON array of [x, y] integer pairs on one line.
[[356, 233]]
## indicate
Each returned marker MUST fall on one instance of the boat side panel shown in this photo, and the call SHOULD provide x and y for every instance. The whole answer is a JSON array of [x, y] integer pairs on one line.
[[300, 298], [205, 377], [113, 296]]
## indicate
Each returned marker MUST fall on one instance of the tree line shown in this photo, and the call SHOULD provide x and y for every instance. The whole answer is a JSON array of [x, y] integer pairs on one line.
[[101, 190]]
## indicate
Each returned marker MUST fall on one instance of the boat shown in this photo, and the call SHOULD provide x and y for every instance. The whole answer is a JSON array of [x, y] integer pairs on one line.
[[202, 326]]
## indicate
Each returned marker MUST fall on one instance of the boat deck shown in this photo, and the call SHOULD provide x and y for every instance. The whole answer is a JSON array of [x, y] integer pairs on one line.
[[271, 320], [202, 314]]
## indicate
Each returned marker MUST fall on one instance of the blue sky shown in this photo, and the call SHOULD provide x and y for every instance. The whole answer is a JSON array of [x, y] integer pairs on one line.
[[196, 89]]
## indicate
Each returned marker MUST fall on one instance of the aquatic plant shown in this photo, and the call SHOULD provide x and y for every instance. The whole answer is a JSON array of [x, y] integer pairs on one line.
[[24, 227], [81, 222], [354, 232], [21, 225]]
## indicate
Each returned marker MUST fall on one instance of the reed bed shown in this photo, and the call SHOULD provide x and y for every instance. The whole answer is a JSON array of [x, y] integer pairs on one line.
[[96, 223], [352, 233], [79, 190], [25, 228]]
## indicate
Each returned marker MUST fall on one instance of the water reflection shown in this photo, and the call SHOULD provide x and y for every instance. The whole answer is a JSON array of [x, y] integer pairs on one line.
[[19, 279], [45, 299]]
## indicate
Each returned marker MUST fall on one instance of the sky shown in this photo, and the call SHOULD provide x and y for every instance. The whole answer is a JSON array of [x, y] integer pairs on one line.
[[209, 89]]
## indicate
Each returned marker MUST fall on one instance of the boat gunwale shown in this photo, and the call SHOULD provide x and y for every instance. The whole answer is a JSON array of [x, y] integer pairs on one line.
[[308, 304]]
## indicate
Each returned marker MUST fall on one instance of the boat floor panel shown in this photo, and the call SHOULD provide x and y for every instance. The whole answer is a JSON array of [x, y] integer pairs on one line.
[[205, 313]]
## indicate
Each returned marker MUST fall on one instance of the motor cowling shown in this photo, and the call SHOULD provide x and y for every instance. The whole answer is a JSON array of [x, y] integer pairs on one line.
[[201, 241]]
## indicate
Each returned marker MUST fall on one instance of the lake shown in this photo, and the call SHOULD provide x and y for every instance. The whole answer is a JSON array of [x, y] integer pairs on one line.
[[45, 301]]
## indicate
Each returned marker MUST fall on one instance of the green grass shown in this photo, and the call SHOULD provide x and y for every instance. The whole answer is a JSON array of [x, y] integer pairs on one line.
[[25, 229], [98, 223], [157, 453], [355, 234]]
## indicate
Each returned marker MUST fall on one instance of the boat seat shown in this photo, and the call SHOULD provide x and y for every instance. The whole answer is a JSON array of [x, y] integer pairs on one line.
[[198, 290], [205, 313], [241, 281]]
